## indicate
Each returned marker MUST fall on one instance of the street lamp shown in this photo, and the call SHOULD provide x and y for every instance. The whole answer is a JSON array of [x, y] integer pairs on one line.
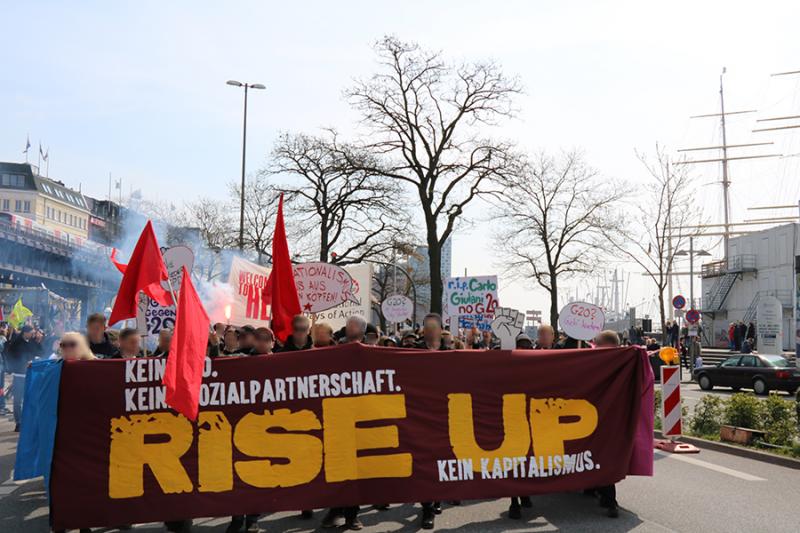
[[691, 252], [246, 86]]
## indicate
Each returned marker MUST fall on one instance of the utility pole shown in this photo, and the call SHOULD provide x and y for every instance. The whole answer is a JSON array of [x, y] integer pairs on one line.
[[725, 158]]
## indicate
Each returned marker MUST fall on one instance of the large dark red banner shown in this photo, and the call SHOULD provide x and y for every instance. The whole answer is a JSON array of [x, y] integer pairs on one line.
[[341, 426]]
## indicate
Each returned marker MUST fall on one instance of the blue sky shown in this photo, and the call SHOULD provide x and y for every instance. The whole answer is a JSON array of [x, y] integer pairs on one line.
[[138, 88]]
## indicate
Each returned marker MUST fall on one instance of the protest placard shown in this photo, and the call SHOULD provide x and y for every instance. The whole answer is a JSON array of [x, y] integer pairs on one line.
[[152, 317], [581, 320], [397, 308], [247, 281], [323, 286], [360, 304], [473, 299]]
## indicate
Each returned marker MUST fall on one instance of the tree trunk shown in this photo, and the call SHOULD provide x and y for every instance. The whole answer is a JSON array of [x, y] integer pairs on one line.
[[435, 270], [662, 314], [553, 302]]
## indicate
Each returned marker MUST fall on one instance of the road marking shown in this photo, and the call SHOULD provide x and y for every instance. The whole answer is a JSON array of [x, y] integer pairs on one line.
[[712, 466]]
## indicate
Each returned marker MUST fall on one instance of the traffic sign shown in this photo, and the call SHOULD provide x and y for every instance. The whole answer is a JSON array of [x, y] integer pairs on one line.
[[692, 316], [679, 302]]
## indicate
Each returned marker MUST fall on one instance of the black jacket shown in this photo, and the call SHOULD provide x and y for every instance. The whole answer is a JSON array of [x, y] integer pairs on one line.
[[289, 345], [19, 353], [420, 345], [103, 349]]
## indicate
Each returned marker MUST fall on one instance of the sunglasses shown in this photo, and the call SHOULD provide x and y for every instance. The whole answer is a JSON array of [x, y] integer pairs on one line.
[[68, 344]]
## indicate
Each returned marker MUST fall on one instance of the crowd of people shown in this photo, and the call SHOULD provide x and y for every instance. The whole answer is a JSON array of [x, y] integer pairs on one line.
[[100, 342]]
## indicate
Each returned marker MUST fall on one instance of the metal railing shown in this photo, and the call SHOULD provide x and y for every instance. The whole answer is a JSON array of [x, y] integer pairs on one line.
[[735, 263]]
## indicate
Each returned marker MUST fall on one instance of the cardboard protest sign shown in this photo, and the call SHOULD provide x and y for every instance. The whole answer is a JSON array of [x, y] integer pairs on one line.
[[350, 423], [581, 320], [248, 280], [152, 317], [473, 299], [322, 286], [507, 324], [360, 304], [397, 308]]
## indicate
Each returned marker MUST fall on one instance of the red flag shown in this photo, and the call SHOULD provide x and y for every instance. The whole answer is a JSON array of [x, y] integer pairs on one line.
[[144, 272], [120, 266], [183, 374], [280, 286]]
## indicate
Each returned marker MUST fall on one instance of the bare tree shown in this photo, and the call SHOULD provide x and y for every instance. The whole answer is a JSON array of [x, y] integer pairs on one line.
[[554, 214], [217, 231], [654, 234], [345, 213], [424, 120], [260, 208]]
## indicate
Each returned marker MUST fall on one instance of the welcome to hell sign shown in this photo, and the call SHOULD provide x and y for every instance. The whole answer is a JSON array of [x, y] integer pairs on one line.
[[346, 425]]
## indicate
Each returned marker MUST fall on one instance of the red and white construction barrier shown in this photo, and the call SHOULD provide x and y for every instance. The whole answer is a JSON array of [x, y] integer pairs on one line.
[[671, 412]]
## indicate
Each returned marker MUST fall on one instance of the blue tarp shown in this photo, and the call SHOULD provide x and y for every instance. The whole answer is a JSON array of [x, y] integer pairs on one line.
[[39, 421]]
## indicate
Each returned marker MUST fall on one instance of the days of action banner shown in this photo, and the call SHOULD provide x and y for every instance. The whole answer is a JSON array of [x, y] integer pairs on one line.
[[345, 425]]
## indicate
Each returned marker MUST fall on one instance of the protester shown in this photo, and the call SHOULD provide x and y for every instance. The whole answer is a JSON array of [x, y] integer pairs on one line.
[[545, 337], [388, 341], [447, 339], [129, 343], [246, 339], [300, 339], [74, 347], [19, 352], [523, 342], [164, 340], [431, 340], [372, 335], [354, 331], [99, 341], [409, 339], [608, 494], [264, 342], [322, 334], [230, 342]]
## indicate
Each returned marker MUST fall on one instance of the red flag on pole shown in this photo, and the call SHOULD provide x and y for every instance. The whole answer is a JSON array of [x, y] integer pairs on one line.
[[120, 266], [144, 272], [280, 286], [183, 374]]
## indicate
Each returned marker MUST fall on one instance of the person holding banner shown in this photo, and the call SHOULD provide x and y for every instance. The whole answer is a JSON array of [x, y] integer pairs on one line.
[[322, 334], [230, 344], [432, 328], [608, 494], [354, 330], [545, 337], [264, 342], [129, 344], [99, 340], [300, 339]]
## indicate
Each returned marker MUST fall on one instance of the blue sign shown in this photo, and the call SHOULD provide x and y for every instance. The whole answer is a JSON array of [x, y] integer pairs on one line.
[[679, 302], [692, 316]]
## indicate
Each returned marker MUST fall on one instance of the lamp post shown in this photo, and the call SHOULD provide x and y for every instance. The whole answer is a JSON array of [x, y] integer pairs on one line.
[[246, 86], [691, 252]]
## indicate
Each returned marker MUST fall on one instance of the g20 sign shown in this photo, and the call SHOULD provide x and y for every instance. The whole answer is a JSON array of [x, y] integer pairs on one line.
[[582, 320]]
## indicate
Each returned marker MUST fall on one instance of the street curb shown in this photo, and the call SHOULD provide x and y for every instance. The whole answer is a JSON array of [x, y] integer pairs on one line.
[[739, 451]]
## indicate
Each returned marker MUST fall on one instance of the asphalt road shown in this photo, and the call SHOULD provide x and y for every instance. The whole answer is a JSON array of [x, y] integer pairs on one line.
[[707, 493]]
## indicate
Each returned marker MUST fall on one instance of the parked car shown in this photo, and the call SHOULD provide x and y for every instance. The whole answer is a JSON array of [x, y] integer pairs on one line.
[[762, 373]]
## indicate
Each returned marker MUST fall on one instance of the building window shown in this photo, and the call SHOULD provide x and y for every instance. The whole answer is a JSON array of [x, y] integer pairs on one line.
[[17, 205], [26, 206], [6, 205]]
